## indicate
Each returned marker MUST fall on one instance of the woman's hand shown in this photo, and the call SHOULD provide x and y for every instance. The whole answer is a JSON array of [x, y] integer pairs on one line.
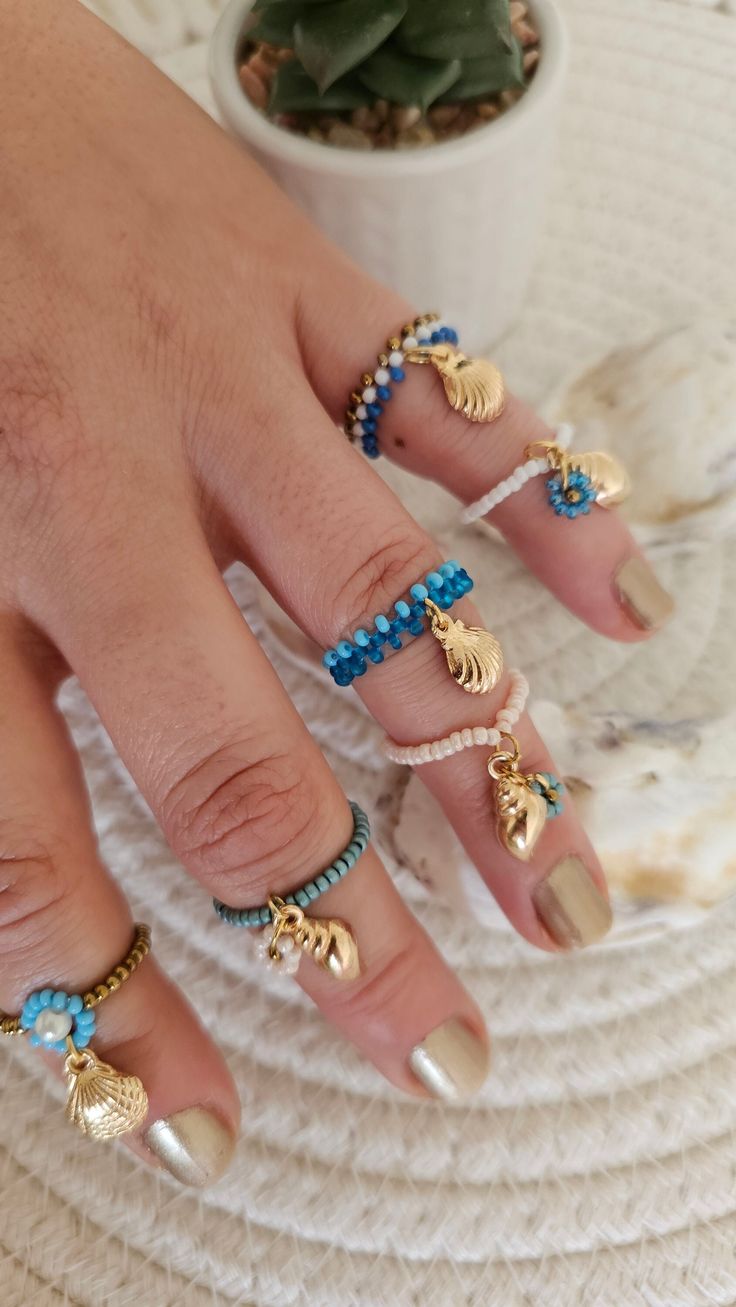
[[176, 344]]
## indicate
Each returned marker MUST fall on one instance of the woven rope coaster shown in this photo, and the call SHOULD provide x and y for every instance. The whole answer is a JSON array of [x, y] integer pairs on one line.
[[598, 1166]]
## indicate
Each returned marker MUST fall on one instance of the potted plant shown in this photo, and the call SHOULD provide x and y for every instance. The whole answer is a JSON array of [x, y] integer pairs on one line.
[[418, 134]]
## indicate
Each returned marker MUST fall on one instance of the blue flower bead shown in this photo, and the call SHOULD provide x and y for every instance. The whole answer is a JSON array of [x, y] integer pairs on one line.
[[551, 790], [53, 1016], [574, 498]]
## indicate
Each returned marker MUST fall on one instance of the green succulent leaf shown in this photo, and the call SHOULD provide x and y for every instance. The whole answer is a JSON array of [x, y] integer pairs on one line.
[[275, 23], [403, 79], [488, 76], [455, 29], [293, 91], [330, 39]]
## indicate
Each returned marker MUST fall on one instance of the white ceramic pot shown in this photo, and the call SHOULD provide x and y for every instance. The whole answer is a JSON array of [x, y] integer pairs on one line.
[[453, 227]]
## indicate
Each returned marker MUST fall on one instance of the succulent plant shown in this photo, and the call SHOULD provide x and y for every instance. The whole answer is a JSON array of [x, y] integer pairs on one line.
[[349, 53]]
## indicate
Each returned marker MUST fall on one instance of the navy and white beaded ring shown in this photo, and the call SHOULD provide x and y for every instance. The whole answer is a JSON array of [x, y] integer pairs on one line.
[[367, 402]]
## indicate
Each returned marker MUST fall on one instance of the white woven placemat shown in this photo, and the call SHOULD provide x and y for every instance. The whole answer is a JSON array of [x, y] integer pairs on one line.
[[598, 1167]]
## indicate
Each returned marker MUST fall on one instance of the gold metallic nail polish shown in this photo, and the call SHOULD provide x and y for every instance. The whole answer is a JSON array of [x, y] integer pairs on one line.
[[646, 602], [451, 1062], [571, 906], [194, 1145]]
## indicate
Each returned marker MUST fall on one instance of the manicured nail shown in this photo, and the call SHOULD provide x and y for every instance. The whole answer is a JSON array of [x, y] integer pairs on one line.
[[571, 906], [645, 601], [194, 1145], [451, 1062]]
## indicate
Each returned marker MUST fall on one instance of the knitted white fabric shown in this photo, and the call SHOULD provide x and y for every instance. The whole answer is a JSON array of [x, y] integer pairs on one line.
[[598, 1166]]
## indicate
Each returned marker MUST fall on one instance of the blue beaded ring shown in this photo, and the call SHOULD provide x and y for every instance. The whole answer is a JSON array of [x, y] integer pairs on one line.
[[301, 898], [351, 658], [367, 402]]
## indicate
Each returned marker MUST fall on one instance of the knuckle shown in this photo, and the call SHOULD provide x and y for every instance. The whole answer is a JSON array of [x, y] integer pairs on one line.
[[381, 577], [33, 885], [244, 819], [40, 428]]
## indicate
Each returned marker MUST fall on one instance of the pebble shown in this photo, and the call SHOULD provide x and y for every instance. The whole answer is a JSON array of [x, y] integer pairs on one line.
[[346, 135], [404, 116], [443, 115], [254, 88]]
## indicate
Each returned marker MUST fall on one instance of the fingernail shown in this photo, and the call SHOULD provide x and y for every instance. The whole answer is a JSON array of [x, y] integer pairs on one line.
[[571, 906], [645, 601], [194, 1145], [451, 1062]]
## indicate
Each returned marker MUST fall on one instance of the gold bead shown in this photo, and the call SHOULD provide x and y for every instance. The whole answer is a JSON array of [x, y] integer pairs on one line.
[[383, 360], [366, 380], [351, 416], [356, 397], [393, 343]]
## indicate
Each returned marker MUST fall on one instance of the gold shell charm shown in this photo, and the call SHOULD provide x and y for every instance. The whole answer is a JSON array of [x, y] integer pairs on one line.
[[474, 656], [605, 476], [608, 477], [521, 816], [473, 387], [102, 1102], [329, 942], [524, 803]]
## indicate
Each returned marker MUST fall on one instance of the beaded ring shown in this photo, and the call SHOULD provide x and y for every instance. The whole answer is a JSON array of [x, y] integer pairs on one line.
[[289, 932], [102, 1102], [524, 801], [351, 658], [578, 480], [367, 401]]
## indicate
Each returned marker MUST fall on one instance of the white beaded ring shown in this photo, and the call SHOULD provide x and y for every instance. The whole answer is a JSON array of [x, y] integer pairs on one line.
[[413, 755], [532, 467]]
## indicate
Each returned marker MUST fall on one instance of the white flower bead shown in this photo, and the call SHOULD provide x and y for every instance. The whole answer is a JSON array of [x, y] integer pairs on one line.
[[369, 395], [423, 333], [357, 428], [383, 376], [361, 412], [395, 358], [410, 342]]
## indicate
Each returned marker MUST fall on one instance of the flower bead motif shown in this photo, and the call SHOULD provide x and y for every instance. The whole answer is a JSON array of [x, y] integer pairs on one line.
[[551, 790], [572, 497], [53, 1016], [289, 955]]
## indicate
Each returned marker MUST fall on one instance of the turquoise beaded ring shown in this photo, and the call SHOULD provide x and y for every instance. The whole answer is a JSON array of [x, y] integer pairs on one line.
[[288, 932], [352, 657]]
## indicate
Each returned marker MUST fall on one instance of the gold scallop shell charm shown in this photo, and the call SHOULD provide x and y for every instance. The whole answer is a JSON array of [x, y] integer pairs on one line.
[[522, 815], [608, 477], [474, 656], [102, 1102], [329, 942], [473, 387]]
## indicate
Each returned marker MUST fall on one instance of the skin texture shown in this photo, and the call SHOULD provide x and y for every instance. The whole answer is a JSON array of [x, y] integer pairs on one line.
[[176, 344]]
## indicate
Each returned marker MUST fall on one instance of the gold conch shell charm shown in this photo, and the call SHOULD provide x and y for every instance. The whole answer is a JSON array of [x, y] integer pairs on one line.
[[474, 656], [328, 942], [607, 476], [524, 803], [102, 1102], [521, 815], [473, 386]]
